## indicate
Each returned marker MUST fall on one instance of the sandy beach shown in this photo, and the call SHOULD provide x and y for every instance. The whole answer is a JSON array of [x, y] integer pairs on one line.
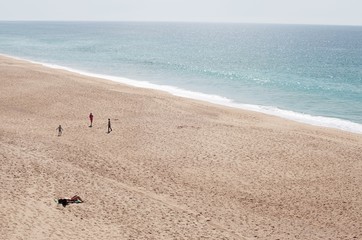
[[172, 168]]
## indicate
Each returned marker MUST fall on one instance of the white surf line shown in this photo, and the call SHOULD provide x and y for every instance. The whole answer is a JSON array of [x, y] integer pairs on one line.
[[308, 119]]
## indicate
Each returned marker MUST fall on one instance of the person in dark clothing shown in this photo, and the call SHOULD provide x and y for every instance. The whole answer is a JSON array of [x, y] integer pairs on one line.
[[109, 126], [91, 119], [60, 130]]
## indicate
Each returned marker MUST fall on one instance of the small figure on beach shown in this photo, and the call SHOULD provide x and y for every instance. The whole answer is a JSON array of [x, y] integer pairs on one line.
[[66, 201], [60, 130], [91, 120], [109, 126]]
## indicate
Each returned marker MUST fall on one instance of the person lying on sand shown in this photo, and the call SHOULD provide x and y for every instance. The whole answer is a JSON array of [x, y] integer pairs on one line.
[[66, 201]]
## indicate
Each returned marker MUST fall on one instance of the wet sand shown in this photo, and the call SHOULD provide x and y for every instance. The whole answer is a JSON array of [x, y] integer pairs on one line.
[[172, 168]]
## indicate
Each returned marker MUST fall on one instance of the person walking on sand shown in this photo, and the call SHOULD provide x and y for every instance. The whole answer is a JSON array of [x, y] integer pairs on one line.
[[91, 120], [60, 130], [109, 126]]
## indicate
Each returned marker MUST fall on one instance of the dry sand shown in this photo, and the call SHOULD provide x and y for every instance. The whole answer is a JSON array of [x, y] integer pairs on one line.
[[172, 168]]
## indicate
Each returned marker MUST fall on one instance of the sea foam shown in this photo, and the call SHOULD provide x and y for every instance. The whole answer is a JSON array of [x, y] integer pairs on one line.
[[320, 121]]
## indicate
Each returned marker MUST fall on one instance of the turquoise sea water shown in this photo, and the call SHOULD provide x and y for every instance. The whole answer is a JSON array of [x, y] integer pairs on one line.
[[311, 74]]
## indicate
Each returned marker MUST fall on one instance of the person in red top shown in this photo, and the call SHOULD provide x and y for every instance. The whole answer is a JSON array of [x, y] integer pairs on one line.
[[91, 119]]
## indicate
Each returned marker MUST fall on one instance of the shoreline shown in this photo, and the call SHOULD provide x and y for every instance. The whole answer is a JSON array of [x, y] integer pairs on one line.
[[319, 121], [172, 168]]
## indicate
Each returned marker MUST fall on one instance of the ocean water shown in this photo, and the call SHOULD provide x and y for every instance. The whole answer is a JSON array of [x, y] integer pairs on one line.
[[311, 74]]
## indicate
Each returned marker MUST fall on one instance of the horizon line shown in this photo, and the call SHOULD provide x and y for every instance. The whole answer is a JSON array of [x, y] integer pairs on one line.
[[189, 22]]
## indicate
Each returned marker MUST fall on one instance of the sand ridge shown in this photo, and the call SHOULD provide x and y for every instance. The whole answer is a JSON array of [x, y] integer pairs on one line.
[[172, 168]]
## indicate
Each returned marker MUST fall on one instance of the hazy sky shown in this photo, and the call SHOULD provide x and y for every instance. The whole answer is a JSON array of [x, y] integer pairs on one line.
[[341, 12]]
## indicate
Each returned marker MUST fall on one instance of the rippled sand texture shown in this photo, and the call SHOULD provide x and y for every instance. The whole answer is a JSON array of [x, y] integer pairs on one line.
[[171, 168]]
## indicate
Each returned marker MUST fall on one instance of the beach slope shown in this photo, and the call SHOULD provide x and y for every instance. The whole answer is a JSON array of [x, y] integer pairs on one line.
[[172, 168]]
